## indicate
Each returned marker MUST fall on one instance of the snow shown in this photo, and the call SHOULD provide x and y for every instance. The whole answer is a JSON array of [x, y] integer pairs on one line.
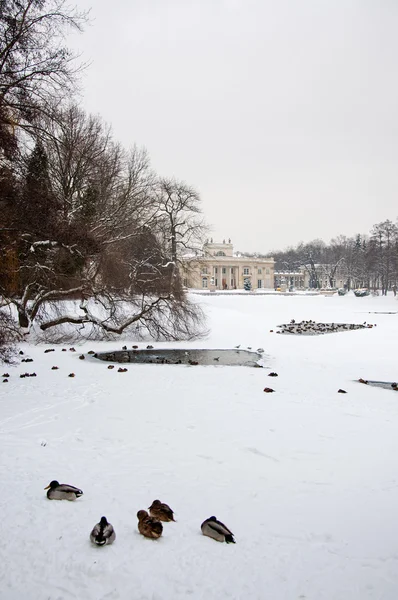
[[306, 478]]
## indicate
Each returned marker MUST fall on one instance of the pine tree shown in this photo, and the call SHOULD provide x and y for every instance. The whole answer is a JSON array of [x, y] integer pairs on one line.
[[38, 213], [247, 285]]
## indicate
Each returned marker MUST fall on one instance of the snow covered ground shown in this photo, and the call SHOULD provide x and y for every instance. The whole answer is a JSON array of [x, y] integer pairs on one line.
[[306, 478]]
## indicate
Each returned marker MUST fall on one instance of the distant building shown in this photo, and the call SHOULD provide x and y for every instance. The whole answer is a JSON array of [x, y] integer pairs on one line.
[[218, 268], [296, 279], [324, 276]]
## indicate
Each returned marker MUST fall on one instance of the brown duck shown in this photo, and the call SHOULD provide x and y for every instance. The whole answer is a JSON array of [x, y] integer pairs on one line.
[[161, 511], [148, 526]]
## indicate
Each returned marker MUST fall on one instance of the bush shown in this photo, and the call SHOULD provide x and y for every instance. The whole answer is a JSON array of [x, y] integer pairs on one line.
[[9, 336]]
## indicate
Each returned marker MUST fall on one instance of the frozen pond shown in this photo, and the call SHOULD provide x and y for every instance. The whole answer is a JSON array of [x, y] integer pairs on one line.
[[387, 385], [181, 356]]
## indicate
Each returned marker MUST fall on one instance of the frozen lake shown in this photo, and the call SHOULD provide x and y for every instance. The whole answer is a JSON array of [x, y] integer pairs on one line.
[[180, 356]]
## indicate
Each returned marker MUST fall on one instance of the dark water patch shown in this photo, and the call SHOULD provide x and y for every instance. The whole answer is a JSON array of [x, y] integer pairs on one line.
[[387, 385], [382, 313], [181, 356]]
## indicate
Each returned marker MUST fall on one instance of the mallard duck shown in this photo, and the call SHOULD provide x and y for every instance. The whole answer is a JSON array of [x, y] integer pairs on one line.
[[217, 530], [148, 526], [103, 533], [161, 511], [62, 491]]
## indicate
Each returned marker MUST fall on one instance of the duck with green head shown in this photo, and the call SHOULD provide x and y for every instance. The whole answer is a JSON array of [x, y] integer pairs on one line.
[[213, 528], [62, 491], [103, 533]]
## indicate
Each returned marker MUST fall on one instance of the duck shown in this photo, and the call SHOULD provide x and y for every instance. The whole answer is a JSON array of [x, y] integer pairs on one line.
[[217, 530], [62, 491], [149, 526], [161, 511], [102, 533]]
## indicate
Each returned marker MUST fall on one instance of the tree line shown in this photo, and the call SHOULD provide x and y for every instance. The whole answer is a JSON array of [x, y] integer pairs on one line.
[[81, 217], [364, 260]]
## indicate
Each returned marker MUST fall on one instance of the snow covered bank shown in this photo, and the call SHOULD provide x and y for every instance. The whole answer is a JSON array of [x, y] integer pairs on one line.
[[306, 478]]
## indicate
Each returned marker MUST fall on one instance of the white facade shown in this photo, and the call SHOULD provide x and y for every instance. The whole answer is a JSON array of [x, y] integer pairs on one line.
[[219, 269]]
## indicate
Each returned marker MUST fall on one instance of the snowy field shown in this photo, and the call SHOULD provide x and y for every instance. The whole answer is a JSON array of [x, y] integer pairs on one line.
[[306, 478]]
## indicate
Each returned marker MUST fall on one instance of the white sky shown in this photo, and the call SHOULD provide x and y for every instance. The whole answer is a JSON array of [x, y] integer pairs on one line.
[[281, 113]]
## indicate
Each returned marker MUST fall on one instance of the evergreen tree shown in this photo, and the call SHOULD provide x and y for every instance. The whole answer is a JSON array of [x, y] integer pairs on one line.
[[37, 209], [247, 284]]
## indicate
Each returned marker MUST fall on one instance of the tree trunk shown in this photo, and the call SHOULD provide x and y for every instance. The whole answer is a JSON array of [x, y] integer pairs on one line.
[[23, 319]]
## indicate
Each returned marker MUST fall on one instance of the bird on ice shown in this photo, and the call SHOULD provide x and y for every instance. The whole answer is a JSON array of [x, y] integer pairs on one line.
[[102, 533], [217, 530], [161, 511], [148, 526], [62, 491]]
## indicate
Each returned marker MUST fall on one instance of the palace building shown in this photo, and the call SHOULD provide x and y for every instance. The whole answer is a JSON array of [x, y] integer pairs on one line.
[[218, 268]]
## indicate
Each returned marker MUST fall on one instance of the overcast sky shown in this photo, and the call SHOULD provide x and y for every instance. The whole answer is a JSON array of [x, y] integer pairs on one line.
[[281, 113]]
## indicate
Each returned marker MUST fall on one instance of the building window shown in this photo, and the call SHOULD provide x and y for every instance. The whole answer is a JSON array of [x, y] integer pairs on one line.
[[220, 253], [232, 283], [232, 270], [205, 271], [204, 282], [267, 271], [185, 282], [215, 270], [224, 270], [216, 282], [259, 283], [259, 271], [245, 270]]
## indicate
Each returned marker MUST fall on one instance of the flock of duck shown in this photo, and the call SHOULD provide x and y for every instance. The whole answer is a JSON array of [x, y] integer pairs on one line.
[[149, 524], [313, 328]]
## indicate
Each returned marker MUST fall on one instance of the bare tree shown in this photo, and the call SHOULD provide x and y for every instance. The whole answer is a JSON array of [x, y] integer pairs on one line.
[[383, 244], [180, 216], [103, 245], [333, 260], [180, 223], [35, 65], [311, 256]]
